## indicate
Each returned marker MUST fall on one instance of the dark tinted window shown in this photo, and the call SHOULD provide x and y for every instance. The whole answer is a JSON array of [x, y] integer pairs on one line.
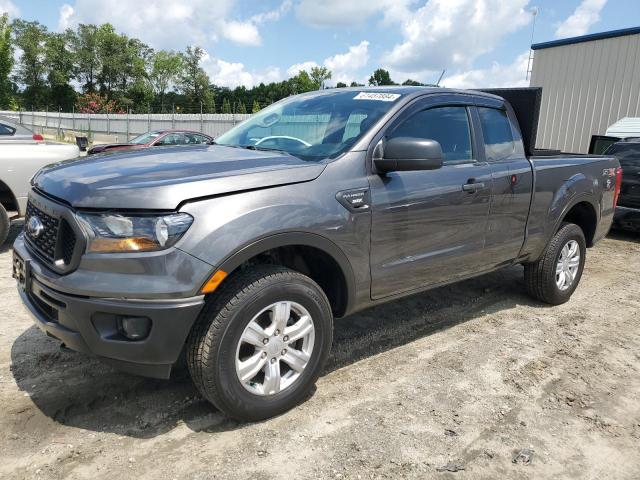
[[496, 131], [171, 139], [6, 129], [447, 125], [628, 153], [195, 139]]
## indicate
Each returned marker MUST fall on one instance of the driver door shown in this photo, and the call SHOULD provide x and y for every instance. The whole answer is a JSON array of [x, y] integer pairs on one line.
[[428, 227]]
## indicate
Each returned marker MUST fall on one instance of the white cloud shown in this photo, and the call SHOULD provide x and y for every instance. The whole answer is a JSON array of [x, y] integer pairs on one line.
[[498, 75], [170, 24], [452, 33], [247, 33], [345, 66], [296, 68], [585, 15], [6, 6], [232, 74], [66, 14], [242, 33], [349, 12]]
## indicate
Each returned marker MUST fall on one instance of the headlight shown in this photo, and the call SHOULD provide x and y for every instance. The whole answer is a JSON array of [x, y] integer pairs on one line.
[[110, 232]]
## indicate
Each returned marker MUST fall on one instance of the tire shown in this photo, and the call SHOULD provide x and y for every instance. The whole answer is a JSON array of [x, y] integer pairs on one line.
[[216, 343], [541, 278], [5, 224]]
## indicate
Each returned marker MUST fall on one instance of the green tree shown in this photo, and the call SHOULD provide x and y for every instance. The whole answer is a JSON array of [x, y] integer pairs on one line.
[[134, 89], [226, 105], [165, 69], [6, 61], [30, 37], [301, 83], [242, 108], [356, 84], [193, 80], [85, 50], [381, 77], [111, 49], [413, 83], [60, 68], [255, 108], [319, 75], [341, 85]]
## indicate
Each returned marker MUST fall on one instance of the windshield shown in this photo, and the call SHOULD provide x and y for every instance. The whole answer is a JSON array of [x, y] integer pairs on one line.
[[312, 127], [145, 138]]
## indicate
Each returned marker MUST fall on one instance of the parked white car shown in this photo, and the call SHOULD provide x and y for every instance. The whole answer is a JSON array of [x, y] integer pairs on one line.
[[18, 163]]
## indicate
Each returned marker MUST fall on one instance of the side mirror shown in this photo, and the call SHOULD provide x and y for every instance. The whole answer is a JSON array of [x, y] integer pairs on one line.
[[408, 153]]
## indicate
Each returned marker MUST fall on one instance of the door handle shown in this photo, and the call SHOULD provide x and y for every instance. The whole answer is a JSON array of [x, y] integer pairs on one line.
[[472, 186]]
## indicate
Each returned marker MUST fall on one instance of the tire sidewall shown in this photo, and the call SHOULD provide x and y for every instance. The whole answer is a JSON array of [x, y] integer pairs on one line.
[[5, 225], [225, 377], [568, 233]]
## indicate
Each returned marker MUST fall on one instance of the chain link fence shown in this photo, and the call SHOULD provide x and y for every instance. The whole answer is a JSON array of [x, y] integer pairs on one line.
[[124, 126]]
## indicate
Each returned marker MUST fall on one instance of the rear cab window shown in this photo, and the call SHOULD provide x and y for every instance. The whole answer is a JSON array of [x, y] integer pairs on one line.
[[496, 133]]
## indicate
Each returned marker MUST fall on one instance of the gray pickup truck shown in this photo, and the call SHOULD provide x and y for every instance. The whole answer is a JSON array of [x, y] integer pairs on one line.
[[240, 254]]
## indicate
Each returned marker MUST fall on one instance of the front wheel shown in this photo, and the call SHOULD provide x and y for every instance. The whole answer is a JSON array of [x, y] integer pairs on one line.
[[555, 276], [261, 342]]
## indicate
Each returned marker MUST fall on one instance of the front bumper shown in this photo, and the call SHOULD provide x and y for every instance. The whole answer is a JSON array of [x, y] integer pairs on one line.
[[93, 325], [627, 218]]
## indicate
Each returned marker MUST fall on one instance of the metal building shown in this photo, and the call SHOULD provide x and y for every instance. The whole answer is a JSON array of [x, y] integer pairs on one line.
[[588, 83]]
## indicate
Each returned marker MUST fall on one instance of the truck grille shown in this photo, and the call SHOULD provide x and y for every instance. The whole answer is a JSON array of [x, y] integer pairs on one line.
[[56, 239], [45, 242]]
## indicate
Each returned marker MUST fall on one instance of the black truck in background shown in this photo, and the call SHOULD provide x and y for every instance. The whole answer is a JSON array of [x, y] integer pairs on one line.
[[627, 151]]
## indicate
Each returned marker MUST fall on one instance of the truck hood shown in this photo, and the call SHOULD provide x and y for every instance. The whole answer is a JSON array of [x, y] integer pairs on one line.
[[164, 177]]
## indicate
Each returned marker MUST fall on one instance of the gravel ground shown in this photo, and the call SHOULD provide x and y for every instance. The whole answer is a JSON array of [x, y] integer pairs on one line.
[[474, 377]]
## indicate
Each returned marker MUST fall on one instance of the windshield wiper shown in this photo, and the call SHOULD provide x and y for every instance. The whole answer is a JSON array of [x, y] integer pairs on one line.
[[265, 149]]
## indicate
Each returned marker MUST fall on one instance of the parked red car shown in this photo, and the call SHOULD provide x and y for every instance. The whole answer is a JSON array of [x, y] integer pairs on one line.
[[155, 139]]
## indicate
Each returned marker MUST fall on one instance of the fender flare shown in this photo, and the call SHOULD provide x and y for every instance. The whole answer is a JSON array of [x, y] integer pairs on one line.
[[241, 255], [584, 197]]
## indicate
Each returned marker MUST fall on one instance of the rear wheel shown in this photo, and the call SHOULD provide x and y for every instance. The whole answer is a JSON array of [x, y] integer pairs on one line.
[[555, 276], [261, 342]]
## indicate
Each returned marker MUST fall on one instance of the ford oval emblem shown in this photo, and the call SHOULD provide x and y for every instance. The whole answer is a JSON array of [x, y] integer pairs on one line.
[[35, 226]]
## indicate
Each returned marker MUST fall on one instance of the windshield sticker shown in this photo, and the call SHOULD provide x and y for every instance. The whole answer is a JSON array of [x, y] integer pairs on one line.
[[381, 97]]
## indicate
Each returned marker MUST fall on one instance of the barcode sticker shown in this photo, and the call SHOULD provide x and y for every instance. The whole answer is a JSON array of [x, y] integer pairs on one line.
[[380, 96]]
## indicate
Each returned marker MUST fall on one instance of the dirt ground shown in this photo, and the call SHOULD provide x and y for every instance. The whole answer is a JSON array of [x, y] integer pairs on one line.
[[464, 376]]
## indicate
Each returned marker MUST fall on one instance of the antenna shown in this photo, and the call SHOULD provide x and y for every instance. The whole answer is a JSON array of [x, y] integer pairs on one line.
[[440, 78], [534, 11]]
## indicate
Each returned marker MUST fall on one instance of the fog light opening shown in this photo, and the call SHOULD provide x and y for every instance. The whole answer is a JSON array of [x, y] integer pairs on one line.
[[134, 328]]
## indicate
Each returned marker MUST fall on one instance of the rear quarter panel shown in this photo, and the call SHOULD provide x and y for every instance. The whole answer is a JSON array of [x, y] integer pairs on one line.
[[562, 182]]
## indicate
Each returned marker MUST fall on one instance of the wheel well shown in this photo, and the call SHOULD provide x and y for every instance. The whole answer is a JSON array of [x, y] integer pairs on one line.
[[584, 215], [7, 200], [313, 262]]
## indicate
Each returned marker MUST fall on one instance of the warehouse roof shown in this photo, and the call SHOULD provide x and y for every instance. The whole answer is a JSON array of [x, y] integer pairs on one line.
[[587, 38]]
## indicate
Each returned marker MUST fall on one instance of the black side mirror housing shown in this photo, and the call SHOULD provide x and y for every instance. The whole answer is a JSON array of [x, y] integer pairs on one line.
[[409, 153]]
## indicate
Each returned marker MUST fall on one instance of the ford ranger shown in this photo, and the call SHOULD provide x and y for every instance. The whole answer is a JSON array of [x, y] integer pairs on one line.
[[240, 254]]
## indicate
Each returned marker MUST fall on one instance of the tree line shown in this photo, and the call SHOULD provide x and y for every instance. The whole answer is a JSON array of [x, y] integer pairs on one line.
[[95, 69]]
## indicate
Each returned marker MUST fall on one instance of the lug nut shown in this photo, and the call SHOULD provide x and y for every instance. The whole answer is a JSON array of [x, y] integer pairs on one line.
[[285, 338], [277, 332], [265, 341], [284, 352], [273, 360], [264, 355]]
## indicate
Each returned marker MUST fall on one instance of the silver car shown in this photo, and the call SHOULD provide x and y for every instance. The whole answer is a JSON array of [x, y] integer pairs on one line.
[[14, 132]]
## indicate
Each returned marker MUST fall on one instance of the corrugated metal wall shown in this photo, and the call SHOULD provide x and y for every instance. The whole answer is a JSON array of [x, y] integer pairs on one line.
[[585, 88]]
